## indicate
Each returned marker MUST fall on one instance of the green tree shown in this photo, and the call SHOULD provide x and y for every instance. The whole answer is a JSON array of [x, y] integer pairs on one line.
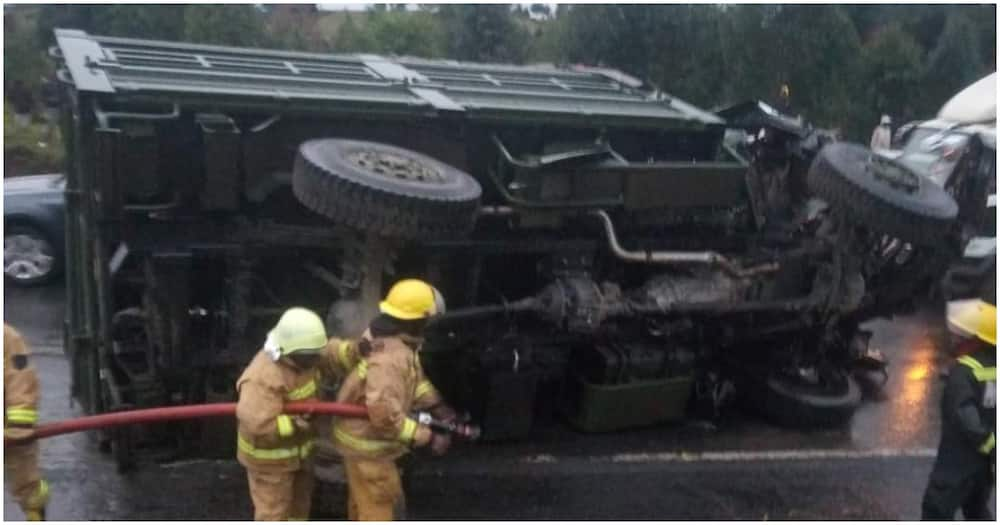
[[548, 42], [295, 26], [66, 16], [954, 62], [984, 18], [351, 38], [814, 49], [612, 35], [892, 72], [406, 33], [747, 50], [225, 24], [24, 56], [483, 32], [160, 22], [677, 47], [687, 60], [924, 22]]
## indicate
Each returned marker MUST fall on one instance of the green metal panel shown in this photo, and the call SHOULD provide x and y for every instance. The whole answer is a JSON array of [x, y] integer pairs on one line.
[[329, 82], [606, 408]]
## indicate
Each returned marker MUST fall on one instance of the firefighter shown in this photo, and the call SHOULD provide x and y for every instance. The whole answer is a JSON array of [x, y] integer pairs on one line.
[[276, 448], [389, 381], [20, 402], [965, 469]]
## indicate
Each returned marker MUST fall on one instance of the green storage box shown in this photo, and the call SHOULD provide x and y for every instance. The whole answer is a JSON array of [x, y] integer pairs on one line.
[[604, 408]]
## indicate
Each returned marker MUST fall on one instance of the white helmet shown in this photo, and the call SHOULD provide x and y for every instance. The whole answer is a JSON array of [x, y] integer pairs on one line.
[[885, 120]]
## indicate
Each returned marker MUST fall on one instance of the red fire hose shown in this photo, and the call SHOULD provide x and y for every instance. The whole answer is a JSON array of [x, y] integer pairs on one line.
[[156, 415]]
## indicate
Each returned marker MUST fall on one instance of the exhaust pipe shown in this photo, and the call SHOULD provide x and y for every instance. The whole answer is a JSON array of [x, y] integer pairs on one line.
[[676, 257]]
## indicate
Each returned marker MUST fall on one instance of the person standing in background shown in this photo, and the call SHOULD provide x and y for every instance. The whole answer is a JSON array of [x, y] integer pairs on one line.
[[882, 136]]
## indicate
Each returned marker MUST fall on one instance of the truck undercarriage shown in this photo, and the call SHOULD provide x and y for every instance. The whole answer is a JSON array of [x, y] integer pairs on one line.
[[605, 257]]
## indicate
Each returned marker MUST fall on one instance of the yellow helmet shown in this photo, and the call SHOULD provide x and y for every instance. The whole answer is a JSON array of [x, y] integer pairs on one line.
[[973, 318], [298, 330], [412, 299]]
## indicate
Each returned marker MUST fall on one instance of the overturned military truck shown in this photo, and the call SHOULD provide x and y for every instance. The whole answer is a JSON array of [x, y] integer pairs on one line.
[[607, 258]]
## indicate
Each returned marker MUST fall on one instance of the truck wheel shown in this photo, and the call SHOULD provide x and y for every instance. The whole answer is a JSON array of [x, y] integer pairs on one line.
[[882, 194], [792, 402], [385, 190]]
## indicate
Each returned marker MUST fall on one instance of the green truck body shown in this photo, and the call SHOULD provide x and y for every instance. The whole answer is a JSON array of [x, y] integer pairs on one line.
[[596, 239]]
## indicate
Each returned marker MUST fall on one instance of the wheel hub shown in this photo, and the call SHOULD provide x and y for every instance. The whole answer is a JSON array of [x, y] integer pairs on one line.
[[26, 257], [396, 166], [893, 174]]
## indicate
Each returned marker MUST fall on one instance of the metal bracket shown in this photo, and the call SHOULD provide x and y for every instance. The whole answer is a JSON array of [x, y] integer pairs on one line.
[[599, 150], [391, 70], [104, 116], [436, 98], [79, 51]]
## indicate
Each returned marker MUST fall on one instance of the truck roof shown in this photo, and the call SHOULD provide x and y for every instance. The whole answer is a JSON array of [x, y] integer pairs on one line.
[[363, 83], [976, 104]]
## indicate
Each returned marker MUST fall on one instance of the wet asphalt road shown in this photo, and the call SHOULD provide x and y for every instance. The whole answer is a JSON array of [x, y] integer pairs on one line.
[[874, 469]]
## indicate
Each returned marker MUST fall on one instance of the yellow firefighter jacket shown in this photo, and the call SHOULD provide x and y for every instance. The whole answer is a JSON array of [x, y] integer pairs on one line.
[[267, 438], [390, 382], [20, 386]]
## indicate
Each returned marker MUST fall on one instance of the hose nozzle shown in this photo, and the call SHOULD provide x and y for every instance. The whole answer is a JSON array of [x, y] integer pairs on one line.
[[462, 430]]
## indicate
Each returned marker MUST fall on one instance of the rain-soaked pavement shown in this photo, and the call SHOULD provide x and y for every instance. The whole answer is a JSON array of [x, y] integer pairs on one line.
[[875, 469]]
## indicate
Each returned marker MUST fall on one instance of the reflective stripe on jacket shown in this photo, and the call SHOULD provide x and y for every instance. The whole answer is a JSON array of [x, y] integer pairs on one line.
[[268, 438], [390, 382], [300, 452], [981, 373]]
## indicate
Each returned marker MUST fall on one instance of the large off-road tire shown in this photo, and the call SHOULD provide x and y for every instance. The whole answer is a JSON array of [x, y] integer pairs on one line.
[[882, 194], [385, 190], [791, 403]]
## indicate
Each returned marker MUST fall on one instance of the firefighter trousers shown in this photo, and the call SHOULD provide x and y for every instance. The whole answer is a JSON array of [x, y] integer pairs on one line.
[[281, 496], [374, 490], [972, 494], [24, 479]]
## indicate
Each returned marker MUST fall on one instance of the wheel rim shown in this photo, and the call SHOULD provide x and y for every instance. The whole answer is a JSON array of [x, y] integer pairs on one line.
[[394, 166], [26, 257]]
